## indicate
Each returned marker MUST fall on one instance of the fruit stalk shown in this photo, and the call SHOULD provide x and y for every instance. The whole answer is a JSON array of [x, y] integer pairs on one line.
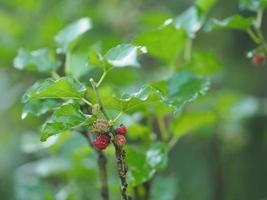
[[122, 171]]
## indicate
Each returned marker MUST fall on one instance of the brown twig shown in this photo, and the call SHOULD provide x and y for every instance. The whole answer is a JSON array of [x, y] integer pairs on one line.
[[102, 163], [122, 171]]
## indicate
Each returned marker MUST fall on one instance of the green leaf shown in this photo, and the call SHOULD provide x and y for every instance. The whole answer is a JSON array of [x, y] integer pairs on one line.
[[67, 117], [63, 88], [191, 21], [38, 108], [183, 87], [41, 60], [164, 43], [252, 5], [205, 5], [234, 22], [191, 121], [126, 102], [124, 55], [143, 165], [96, 59], [204, 63], [180, 89], [68, 36], [76, 64]]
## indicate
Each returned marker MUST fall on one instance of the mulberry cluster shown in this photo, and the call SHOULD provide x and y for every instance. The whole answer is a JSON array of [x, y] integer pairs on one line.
[[102, 128]]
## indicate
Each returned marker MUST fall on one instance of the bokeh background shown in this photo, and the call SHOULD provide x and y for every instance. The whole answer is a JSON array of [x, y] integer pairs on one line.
[[224, 162]]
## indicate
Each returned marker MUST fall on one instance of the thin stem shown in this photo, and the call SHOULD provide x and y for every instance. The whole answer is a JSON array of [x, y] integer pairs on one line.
[[173, 142], [259, 19], [188, 50], [253, 36], [101, 79], [67, 61], [87, 102], [99, 99], [117, 117], [102, 165], [55, 75], [162, 128], [257, 27]]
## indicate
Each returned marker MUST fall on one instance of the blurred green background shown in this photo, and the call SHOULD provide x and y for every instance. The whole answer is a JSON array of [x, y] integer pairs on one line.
[[226, 161]]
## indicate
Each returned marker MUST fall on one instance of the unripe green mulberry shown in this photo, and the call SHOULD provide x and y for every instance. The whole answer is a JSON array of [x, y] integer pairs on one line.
[[101, 126]]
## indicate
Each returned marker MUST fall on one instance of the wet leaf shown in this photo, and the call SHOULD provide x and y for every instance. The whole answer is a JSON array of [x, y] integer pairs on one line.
[[164, 43], [38, 108], [63, 88], [234, 22], [143, 165], [67, 117], [181, 88]]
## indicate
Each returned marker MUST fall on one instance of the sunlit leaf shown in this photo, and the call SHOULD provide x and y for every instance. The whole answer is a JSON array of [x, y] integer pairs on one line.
[[234, 22], [67, 117], [124, 55], [37, 107], [191, 20], [41, 60], [165, 43], [68, 36], [64, 88], [143, 165]]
